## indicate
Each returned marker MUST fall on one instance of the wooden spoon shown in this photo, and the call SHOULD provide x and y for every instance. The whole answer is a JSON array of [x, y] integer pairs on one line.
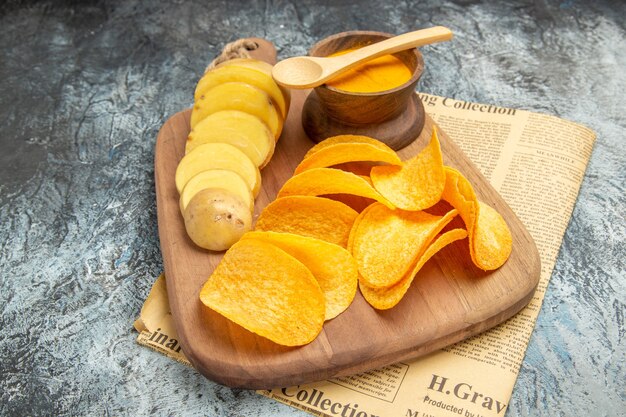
[[309, 71]]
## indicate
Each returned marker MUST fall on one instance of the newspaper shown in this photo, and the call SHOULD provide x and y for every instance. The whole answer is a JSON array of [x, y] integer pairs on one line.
[[536, 162]]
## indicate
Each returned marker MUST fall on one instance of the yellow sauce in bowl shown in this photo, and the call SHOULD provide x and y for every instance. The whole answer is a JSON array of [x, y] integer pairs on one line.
[[381, 74]]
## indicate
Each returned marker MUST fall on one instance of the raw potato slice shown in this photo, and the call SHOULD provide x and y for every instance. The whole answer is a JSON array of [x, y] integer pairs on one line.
[[268, 292], [242, 130], [341, 153], [251, 63], [416, 184], [258, 65], [217, 178], [234, 73], [216, 218], [387, 297], [386, 243], [218, 156], [311, 216], [323, 181], [332, 266], [238, 96]]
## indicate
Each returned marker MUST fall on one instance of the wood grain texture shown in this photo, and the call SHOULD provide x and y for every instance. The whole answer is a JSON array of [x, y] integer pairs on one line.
[[449, 300]]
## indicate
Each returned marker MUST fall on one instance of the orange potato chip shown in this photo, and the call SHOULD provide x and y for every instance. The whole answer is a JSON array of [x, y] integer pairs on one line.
[[355, 226], [490, 240], [418, 183], [361, 168], [387, 242], [346, 139], [340, 153], [459, 193], [387, 297], [266, 291], [311, 216], [355, 202], [333, 266], [322, 181]]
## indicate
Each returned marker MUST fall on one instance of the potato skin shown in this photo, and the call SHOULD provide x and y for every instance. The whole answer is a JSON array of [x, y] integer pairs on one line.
[[215, 219]]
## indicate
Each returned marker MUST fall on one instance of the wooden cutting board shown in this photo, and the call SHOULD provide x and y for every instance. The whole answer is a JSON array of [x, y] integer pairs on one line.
[[449, 300]]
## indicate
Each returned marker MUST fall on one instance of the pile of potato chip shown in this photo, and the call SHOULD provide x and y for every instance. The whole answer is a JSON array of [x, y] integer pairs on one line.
[[354, 214]]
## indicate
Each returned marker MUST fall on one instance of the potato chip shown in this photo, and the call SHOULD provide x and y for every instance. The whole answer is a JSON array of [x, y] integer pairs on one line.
[[355, 202], [355, 226], [346, 139], [322, 181], [360, 168], [268, 292], [387, 242], [333, 266], [460, 194], [416, 184], [387, 297], [340, 153], [311, 216], [490, 240]]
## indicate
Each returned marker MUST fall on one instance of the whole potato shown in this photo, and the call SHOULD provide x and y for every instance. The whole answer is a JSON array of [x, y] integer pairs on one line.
[[215, 219]]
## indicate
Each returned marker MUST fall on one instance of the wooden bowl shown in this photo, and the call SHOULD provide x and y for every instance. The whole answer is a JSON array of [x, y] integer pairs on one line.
[[395, 117]]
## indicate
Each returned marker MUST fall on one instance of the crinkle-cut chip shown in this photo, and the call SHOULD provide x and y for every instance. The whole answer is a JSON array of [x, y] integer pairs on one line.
[[387, 242], [387, 297], [322, 181], [334, 140], [268, 292], [418, 183], [333, 266], [492, 240], [311, 216], [340, 153]]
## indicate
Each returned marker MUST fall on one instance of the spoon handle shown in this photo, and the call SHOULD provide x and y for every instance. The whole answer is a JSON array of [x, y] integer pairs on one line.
[[392, 45]]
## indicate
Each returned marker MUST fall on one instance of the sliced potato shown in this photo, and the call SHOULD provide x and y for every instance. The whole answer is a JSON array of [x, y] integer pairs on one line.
[[252, 76], [238, 96], [252, 63], [242, 130], [218, 156], [216, 218], [259, 66], [217, 178]]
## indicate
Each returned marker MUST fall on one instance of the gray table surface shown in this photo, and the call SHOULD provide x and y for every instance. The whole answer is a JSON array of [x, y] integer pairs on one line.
[[84, 88]]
